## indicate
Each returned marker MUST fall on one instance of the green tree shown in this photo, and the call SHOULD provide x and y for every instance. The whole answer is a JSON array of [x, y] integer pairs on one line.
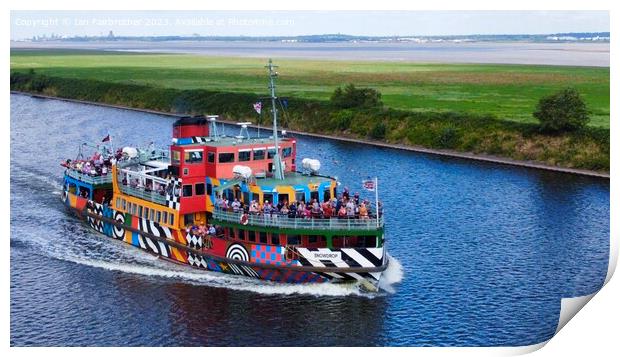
[[562, 111], [352, 97]]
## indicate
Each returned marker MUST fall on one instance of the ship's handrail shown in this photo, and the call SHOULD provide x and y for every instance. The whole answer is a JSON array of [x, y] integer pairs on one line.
[[93, 180], [151, 196], [300, 223], [141, 192]]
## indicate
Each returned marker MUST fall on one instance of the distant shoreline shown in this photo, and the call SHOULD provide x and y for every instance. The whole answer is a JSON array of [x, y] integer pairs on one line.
[[584, 54], [444, 153]]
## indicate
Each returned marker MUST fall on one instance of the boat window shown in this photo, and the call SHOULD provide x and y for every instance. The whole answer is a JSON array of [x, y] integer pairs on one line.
[[84, 192], [209, 189], [283, 197], [139, 211], [189, 219], [268, 197], [271, 153], [252, 236], [211, 157], [171, 217], [193, 157], [262, 237], [226, 157], [200, 189], [317, 241], [158, 217], [286, 152], [176, 157], [118, 202], [124, 203], [327, 194], [293, 240], [152, 215], [146, 212], [187, 190], [246, 197], [165, 217], [368, 241], [300, 196], [314, 195], [275, 239], [338, 241], [259, 154], [244, 155]]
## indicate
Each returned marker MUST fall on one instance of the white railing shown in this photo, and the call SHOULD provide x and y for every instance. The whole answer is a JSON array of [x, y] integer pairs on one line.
[[149, 195], [152, 195], [282, 221], [93, 180]]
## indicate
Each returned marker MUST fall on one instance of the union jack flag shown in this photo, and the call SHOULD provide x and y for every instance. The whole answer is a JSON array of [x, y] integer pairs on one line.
[[369, 185], [258, 106]]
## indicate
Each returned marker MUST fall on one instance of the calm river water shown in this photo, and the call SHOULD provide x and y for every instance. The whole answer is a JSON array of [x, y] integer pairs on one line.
[[482, 253]]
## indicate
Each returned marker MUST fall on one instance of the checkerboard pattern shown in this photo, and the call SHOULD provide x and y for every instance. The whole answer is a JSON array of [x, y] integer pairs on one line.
[[268, 254]]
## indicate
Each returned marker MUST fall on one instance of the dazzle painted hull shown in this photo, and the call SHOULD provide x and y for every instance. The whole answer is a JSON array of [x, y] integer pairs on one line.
[[225, 255]]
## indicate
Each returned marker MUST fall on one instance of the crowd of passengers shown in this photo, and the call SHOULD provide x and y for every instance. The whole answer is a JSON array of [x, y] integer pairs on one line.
[[344, 207], [97, 165]]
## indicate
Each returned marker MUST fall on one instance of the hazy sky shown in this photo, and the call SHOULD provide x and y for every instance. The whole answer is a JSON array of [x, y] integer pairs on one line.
[[25, 24]]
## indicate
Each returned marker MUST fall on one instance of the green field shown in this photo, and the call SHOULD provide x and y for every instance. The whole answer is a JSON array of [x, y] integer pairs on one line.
[[508, 92]]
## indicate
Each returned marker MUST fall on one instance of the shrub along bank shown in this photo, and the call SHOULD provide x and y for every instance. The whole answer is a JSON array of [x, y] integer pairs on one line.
[[584, 149]]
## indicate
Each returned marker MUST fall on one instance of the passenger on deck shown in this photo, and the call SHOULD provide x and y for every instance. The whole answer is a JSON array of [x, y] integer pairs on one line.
[[345, 193], [253, 207], [316, 209], [292, 210], [350, 207], [267, 208], [327, 210], [363, 211], [342, 212], [236, 205]]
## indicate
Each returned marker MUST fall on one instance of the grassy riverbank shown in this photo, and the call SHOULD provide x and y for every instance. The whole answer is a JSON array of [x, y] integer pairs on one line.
[[469, 108], [507, 92]]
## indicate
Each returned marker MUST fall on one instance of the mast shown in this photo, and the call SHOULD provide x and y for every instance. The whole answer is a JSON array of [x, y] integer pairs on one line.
[[277, 161]]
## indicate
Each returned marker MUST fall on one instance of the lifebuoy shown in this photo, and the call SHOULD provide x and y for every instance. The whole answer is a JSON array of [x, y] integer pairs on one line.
[[244, 219]]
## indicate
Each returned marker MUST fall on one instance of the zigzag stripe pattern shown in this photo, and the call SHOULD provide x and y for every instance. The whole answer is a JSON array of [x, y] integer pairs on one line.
[[155, 229], [243, 270], [349, 257], [97, 209]]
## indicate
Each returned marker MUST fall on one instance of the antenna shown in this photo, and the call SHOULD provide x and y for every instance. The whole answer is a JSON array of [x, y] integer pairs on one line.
[[213, 127], [243, 132], [277, 160]]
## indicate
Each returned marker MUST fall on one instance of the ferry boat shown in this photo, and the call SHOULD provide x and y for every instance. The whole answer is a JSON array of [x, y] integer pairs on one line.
[[230, 204]]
